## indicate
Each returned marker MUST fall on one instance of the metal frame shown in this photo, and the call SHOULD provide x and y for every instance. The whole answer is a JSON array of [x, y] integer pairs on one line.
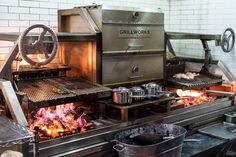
[[5, 71], [84, 12], [203, 37], [12, 102], [86, 15], [61, 37], [204, 40]]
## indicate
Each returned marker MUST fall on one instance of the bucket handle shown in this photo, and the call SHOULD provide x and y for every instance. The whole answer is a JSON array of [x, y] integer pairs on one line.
[[119, 147]]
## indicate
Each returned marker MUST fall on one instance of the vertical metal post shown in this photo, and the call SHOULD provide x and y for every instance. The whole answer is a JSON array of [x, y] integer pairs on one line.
[[25, 149], [5, 70], [124, 114], [168, 44], [208, 57], [36, 142]]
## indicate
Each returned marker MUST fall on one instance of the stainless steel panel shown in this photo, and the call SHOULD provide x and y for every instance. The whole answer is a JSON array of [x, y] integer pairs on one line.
[[132, 17], [132, 38], [124, 69], [132, 31]]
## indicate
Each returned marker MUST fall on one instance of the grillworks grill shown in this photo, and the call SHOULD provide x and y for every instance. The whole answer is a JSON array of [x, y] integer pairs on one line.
[[134, 58]]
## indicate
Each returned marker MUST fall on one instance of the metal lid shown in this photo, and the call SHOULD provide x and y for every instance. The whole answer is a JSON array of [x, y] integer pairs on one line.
[[136, 89], [151, 85], [121, 90]]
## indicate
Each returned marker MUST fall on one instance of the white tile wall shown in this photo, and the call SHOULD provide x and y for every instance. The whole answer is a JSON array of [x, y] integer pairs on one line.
[[197, 16], [203, 16], [16, 15]]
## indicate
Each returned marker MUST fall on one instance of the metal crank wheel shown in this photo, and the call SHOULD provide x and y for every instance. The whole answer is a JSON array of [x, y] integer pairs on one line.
[[227, 40], [30, 47]]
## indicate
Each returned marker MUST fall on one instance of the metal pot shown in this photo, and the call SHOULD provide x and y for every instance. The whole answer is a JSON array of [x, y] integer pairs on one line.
[[152, 88], [121, 96], [137, 93], [231, 117], [170, 147]]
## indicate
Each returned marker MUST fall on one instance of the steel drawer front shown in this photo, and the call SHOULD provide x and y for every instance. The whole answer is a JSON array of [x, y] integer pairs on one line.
[[121, 69], [130, 31], [116, 41]]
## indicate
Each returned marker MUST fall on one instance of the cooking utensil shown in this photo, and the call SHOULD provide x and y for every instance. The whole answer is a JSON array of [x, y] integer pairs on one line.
[[156, 96], [151, 88], [137, 93], [231, 117], [170, 148], [148, 139], [121, 95]]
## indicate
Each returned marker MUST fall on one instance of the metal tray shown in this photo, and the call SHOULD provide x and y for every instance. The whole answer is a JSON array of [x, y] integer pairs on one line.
[[226, 131], [12, 133]]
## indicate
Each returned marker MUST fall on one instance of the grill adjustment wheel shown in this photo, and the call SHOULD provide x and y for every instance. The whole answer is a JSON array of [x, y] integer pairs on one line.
[[227, 40], [38, 45]]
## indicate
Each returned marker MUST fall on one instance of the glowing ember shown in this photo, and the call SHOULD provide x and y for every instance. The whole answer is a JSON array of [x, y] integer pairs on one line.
[[58, 121], [40, 59], [199, 97]]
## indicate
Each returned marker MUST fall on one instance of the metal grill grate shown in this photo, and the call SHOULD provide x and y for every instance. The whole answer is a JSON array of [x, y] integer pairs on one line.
[[201, 81], [41, 91]]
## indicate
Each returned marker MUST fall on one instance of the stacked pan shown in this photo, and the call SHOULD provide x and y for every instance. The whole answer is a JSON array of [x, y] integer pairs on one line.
[[123, 95]]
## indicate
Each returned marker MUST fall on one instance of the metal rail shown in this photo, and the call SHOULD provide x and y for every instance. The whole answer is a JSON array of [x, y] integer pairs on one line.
[[61, 37], [182, 35]]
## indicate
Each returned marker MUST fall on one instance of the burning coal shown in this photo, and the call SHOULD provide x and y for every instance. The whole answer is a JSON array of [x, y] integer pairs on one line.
[[58, 121], [198, 97]]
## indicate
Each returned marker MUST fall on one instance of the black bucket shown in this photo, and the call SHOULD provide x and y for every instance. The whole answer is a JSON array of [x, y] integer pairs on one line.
[[169, 146]]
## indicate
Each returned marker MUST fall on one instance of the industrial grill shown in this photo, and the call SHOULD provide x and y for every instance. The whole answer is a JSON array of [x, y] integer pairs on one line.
[[96, 46]]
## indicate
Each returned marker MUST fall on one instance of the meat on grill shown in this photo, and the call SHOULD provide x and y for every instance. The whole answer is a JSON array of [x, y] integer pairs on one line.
[[188, 75]]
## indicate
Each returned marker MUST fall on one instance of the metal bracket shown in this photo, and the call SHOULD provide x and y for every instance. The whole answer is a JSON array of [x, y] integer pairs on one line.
[[12, 102], [90, 21], [169, 45], [5, 71], [208, 57]]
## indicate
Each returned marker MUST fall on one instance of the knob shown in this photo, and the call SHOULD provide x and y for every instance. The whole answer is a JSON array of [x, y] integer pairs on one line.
[[135, 69], [135, 14]]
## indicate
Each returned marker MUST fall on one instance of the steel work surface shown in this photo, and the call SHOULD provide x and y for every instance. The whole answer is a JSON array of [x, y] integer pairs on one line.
[[223, 130], [203, 146]]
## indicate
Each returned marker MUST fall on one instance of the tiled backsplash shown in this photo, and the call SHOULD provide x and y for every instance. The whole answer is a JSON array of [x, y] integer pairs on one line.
[[16, 15], [203, 16]]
